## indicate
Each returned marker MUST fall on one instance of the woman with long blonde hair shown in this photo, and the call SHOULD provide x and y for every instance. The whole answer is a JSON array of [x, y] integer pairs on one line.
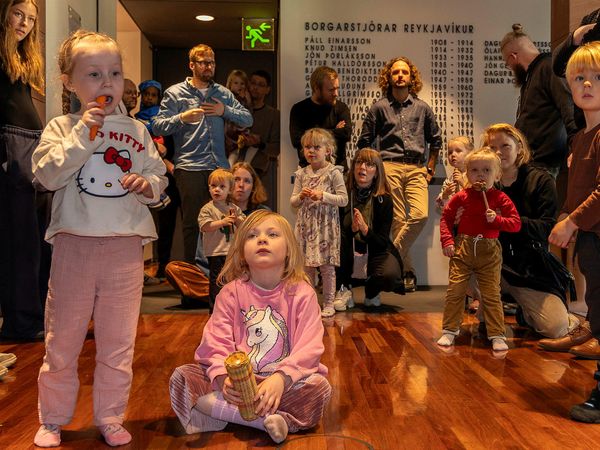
[[24, 213]]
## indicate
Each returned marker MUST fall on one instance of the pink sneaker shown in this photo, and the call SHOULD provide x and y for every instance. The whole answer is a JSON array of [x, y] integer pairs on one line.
[[114, 434], [48, 435]]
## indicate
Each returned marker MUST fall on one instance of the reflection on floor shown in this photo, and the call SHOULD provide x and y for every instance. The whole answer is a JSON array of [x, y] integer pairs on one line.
[[393, 386]]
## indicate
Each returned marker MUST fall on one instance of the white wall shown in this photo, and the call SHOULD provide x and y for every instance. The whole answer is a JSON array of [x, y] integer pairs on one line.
[[464, 102]]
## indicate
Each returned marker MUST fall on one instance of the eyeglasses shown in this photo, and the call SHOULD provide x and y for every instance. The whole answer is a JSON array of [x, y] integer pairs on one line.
[[132, 93], [258, 84], [369, 164], [205, 63]]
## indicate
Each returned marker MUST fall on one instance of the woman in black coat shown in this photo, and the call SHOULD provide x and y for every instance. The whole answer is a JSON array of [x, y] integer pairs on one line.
[[365, 228], [526, 275]]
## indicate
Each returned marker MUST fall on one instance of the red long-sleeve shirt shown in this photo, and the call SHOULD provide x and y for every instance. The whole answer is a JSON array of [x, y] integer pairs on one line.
[[473, 221]]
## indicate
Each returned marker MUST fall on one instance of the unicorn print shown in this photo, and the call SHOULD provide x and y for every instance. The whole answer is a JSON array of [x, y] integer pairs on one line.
[[267, 335]]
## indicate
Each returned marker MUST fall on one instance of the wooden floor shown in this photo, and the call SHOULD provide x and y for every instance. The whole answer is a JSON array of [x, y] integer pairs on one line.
[[393, 389]]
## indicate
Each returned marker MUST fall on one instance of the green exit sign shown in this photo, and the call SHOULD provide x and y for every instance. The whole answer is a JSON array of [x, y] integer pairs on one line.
[[258, 34]]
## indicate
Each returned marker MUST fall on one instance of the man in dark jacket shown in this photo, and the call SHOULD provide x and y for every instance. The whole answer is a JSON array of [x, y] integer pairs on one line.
[[545, 110]]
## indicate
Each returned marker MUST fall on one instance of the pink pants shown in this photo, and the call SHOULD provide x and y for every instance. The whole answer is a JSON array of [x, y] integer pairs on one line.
[[302, 405], [99, 278]]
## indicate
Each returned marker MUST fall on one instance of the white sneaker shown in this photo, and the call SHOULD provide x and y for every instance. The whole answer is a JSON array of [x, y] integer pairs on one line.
[[499, 344], [328, 310], [375, 301], [48, 435], [446, 340], [343, 299]]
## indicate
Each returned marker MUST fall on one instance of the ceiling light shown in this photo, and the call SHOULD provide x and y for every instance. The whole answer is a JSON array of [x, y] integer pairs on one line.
[[205, 18]]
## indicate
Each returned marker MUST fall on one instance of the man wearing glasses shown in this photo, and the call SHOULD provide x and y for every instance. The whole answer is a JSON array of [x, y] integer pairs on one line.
[[545, 110], [194, 112], [130, 95]]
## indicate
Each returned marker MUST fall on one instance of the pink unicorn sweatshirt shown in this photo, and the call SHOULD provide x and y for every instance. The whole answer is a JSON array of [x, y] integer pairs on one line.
[[280, 330]]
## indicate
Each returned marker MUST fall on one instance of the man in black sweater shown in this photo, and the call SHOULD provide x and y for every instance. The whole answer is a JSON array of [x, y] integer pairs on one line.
[[323, 110], [545, 110]]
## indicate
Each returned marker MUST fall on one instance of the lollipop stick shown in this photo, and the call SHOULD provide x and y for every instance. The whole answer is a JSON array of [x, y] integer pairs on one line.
[[102, 101], [487, 206]]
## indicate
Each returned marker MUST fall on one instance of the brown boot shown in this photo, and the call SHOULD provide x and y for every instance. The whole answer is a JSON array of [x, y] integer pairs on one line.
[[589, 350], [579, 335]]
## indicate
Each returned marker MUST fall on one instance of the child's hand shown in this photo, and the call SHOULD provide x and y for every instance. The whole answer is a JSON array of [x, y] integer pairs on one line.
[[457, 177], [137, 184], [228, 220], [230, 394], [269, 394], [563, 232], [448, 251], [304, 193], [316, 195], [490, 215], [93, 116], [449, 189]]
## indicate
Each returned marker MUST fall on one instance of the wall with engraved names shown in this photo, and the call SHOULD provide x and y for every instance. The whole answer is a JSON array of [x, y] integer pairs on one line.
[[455, 45]]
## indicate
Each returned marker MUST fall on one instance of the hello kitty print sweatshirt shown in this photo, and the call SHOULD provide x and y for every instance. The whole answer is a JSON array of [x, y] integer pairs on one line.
[[85, 175], [280, 330]]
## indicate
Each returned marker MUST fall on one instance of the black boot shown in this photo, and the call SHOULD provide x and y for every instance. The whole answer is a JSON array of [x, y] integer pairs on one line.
[[589, 411]]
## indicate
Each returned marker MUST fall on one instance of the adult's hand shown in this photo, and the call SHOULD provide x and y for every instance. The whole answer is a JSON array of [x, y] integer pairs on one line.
[[358, 222], [580, 32], [213, 109], [192, 115], [563, 232]]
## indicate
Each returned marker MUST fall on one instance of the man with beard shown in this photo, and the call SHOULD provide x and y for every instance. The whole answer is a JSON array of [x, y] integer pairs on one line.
[[193, 112], [323, 110], [545, 110], [404, 129]]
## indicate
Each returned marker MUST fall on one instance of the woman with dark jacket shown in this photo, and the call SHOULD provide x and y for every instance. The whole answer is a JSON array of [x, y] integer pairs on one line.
[[365, 229], [530, 274]]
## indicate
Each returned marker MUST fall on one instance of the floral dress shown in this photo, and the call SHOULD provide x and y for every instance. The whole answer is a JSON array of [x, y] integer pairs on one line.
[[318, 222]]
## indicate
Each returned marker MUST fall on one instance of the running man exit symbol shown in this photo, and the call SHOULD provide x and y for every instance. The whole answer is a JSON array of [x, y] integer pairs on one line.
[[258, 34]]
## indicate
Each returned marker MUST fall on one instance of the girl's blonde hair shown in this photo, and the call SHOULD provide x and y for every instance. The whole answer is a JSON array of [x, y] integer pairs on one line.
[[65, 53], [380, 183], [586, 56], [239, 74], [259, 194], [222, 175], [65, 58], [322, 137], [464, 141], [484, 154], [236, 266], [21, 60], [523, 152]]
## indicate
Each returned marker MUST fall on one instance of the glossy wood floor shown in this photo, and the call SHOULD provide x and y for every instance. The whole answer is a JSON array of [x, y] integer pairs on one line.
[[393, 389]]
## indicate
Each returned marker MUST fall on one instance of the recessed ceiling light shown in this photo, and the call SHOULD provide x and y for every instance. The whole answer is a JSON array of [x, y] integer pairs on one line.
[[205, 18]]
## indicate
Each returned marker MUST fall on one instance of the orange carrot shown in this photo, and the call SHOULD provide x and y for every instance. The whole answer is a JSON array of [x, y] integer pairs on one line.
[[102, 101]]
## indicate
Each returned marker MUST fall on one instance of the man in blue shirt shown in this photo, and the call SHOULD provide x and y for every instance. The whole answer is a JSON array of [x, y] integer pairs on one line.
[[194, 112], [403, 128]]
